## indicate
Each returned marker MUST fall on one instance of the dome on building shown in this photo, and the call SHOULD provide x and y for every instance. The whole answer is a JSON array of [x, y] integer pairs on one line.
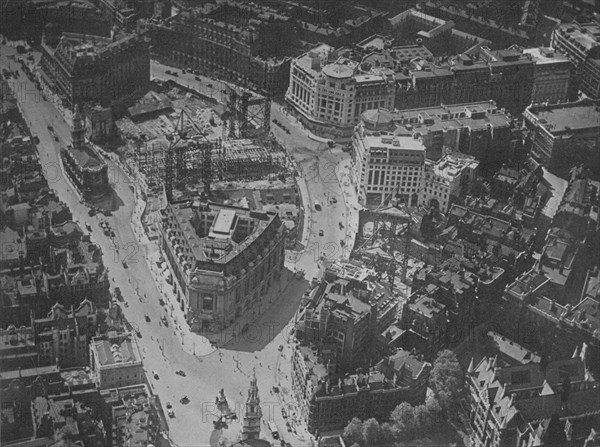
[[377, 118], [338, 71]]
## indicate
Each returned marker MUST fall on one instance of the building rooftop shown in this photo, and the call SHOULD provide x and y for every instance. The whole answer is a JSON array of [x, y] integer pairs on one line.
[[587, 35], [546, 55], [338, 71], [513, 350], [218, 233], [86, 156], [451, 166], [562, 118], [116, 351]]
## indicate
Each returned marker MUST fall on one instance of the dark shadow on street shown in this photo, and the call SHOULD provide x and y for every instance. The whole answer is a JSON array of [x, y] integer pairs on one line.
[[273, 321]]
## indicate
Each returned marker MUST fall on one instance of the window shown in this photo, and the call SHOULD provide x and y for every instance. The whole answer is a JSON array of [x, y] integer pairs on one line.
[[207, 303]]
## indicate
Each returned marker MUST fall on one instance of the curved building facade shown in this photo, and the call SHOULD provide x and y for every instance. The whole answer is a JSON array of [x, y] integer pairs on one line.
[[224, 258]]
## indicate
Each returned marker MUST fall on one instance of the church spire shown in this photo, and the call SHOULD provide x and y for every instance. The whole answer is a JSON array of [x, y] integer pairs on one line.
[[253, 414]]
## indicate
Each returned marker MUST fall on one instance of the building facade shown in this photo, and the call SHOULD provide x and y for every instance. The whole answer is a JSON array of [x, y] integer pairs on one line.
[[196, 39], [83, 163], [327, 402], [565, 135], [505, 77], [224, 258], [580, 42], [83, 68], [444, 180], [553, 75], [508, 403], [330, 91], [386, 166], [63, 336]]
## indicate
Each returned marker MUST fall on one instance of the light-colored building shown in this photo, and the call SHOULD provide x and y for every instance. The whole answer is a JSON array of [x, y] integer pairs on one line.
[[116, 361], [565, 135], [224, 259], [386, 165], [331, 92], [552, 75], [581, 43], [444, 179]]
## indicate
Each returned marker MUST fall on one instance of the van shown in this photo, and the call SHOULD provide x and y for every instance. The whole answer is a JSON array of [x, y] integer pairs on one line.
[[273, 430]]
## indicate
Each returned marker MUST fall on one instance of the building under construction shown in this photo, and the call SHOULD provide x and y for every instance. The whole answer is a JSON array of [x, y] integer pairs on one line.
[[179, 144]]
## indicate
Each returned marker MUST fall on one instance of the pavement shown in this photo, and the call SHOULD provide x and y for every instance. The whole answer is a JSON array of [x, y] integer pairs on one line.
[[266, 348]]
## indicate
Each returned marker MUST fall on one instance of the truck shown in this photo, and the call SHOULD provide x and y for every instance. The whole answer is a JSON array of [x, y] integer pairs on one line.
[[317, 205]]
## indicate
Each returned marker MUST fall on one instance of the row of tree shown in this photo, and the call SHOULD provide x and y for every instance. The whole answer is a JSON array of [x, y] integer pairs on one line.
[[408, 422]]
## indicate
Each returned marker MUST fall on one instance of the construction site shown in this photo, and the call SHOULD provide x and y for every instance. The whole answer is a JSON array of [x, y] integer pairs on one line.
[[389, 241], [180, 143]]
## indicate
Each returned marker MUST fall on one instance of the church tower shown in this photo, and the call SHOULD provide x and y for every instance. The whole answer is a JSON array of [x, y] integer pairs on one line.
[[253, 414], [78, 132]]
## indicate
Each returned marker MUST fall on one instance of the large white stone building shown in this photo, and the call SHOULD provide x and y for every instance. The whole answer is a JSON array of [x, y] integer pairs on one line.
[[330, 91], [386, 165], [445, 178]]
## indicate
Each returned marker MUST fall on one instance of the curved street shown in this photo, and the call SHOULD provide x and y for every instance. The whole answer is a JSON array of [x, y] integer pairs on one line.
[[207, 370]]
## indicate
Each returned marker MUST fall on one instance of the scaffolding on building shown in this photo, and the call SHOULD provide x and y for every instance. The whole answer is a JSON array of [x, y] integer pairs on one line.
[[247, 116]]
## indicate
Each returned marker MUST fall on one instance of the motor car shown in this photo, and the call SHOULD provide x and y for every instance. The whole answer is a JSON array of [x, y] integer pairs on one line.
[[155, 375], [169, 405], [168, 72], [139, 334], [284, 413], [289, 426], [175, 74], [112, 233], [180, 373], [147, 318], [321, 233], [197, 79], [171, 413], [36, 139], [56, 138], [280, 348], [50, 128], [124, 265], [107, 212], [164, 320], [92, 212], [333, 200], [209, 85], [184, 400]]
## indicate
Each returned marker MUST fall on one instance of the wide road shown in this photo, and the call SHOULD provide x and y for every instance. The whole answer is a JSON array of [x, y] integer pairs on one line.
[[207, 371], [330, 204]]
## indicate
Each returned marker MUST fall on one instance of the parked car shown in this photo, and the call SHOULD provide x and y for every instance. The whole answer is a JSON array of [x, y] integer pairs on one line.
[[184, 400], [171, 413], [155, 375], [124, 264], [321, 233], [56, 138], [180, 373], [284, 413], [147, 318], [169, 405]]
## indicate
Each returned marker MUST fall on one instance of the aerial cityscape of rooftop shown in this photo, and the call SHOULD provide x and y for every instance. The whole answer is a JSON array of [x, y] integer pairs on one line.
[[341, 223]]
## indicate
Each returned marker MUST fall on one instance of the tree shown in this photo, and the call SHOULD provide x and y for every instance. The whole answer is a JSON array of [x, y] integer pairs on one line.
[[371, 432], [447, 380], [353, 433], [404, 420], [388, 433]]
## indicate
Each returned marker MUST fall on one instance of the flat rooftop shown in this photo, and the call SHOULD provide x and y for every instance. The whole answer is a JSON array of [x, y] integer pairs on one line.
[[560, 118]]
